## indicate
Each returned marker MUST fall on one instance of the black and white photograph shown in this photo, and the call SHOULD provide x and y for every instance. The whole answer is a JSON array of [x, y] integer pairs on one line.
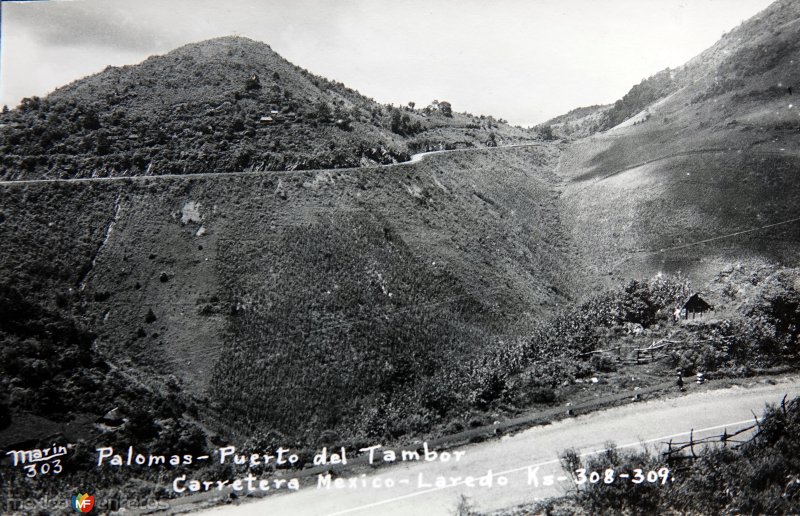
[[399, 257]]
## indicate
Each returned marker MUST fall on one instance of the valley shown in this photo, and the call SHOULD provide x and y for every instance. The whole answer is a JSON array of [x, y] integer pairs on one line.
[[182, 272]]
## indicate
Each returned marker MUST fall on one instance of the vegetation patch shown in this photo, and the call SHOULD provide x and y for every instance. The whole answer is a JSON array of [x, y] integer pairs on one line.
[[757, 477]]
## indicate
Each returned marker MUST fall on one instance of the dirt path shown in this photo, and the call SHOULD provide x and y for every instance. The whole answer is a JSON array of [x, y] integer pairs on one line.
[[514, 458]]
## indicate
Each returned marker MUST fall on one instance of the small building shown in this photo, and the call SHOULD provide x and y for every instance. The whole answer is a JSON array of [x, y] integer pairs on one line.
[[266, 120], [695, 305]]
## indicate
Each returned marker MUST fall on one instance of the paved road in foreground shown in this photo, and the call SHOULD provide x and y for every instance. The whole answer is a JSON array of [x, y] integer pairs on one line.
[[513, 459]]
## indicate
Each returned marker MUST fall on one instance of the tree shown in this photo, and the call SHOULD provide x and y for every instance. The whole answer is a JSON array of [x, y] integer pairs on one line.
[[401, 124], [446, 108], [342, 118], [102, 143], [253, 83], [30, 104], [396, 123], [411, 105], [323, 111], [89, 120]]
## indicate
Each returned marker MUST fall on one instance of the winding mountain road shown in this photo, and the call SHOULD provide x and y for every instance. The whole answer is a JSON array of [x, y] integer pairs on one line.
[[415, 158], [410, 488]]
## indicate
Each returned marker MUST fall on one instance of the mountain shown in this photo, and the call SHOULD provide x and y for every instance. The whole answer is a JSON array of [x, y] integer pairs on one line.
[[380, 304], [377, 277], [224, 105], [579, 122], [754, 61], [357, 303], [697, 166]]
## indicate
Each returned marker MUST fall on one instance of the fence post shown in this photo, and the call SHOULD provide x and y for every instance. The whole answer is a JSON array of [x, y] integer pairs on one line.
[[758, 425], [691, 443]]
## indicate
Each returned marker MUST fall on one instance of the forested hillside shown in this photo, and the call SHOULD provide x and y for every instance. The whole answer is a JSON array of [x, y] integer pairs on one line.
[[223, 105]]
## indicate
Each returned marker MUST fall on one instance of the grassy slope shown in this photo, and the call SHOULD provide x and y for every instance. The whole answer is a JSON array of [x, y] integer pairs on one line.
[[377, 277], [730, 106]]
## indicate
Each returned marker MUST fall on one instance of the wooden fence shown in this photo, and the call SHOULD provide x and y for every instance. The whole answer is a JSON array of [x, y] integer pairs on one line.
[[630, 354], [675, 450]]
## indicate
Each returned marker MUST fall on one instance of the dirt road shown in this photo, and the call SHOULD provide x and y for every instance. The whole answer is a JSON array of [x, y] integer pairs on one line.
[[410, 488], [416, 158]]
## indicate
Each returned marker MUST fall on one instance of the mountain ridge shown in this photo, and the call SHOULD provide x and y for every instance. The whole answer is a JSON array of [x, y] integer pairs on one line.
[[367, 304], [221, 105], [760, 43]]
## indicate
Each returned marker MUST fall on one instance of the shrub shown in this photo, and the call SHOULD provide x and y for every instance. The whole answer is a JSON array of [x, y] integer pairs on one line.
[[253, 83], [759, 477], [5, 415], [543, 395], [401, 124], [604, 363], [546, 132]]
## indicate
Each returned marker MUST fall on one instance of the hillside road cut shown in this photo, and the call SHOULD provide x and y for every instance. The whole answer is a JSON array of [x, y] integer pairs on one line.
[[520, 466], [415, 158]]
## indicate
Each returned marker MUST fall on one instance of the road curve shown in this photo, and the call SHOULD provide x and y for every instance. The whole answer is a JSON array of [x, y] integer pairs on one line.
[[514, 457], [415, 158]]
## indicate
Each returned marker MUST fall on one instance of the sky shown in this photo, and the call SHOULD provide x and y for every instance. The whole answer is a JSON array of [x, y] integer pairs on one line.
[[522, 60]]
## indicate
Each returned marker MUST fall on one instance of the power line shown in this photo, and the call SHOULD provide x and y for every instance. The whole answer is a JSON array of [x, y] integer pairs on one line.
[[683, 246], [642, 253]]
